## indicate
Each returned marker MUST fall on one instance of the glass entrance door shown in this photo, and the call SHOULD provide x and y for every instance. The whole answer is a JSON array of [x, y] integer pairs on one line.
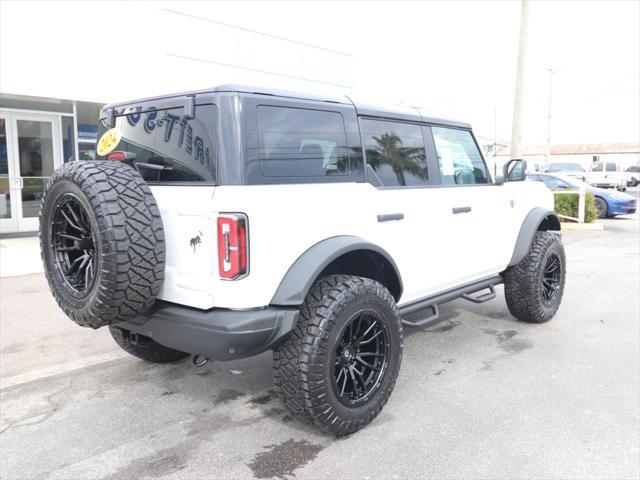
[[8, 217], [33, 153]]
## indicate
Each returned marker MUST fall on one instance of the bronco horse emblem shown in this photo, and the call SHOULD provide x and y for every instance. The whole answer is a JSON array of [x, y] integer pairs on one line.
[[195, 241]]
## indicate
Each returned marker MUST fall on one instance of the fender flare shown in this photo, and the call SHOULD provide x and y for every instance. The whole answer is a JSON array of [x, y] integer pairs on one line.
[[300, 277], [531, 224]]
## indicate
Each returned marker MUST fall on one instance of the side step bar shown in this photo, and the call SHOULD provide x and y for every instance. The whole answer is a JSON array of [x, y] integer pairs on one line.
[[432, 302]]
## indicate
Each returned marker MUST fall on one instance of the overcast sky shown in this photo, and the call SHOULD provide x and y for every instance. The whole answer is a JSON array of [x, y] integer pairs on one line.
[[455, 58], [460, 58]]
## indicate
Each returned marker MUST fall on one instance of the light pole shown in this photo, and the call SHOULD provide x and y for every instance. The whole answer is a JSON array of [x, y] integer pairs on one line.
[[516, 129], [548, 155]]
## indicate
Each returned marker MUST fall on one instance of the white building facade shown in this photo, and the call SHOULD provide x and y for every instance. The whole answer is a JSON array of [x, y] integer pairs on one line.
[[81, 55]]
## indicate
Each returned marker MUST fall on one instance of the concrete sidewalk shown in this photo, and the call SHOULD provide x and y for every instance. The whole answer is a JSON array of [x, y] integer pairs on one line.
[[20, 256]]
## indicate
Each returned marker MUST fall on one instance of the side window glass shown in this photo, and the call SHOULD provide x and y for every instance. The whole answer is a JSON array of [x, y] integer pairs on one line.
[[459, 158], [555, 183], [296, 142], [611, 167], [395, 153]]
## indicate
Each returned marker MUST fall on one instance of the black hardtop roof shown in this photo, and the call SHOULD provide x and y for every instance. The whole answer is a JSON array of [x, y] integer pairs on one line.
[[411, 114]]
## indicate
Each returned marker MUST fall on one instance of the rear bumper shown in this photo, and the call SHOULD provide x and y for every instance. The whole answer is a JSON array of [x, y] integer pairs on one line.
[[218, 334]]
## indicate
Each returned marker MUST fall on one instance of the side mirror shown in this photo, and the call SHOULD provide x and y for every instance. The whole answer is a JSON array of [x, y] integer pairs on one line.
[[515, 170], [499, 180]]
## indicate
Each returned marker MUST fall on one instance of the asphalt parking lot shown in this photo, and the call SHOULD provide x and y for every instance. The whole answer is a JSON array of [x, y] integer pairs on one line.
[[479, 395]]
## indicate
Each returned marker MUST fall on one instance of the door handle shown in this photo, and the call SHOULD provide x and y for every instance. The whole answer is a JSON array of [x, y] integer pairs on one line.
[[387, 217], [461, 210]]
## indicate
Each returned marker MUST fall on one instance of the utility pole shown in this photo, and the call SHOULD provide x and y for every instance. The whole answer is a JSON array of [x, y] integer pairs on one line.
[[516, 131], [548, 153]]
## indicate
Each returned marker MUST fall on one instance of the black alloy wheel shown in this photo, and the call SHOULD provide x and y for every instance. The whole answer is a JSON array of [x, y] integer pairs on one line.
[[534, 287], [73, 245], [337, 368], [102, 242], [551, 279], [360, 358]]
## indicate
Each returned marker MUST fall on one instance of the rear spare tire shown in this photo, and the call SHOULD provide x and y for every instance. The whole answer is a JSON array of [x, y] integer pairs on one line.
[[101, 241]]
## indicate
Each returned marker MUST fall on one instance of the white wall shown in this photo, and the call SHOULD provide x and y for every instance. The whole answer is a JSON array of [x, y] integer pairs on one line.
[[111, 51]]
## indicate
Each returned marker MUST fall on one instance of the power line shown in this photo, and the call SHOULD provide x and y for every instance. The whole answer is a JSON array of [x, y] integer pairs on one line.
[[244, 29]]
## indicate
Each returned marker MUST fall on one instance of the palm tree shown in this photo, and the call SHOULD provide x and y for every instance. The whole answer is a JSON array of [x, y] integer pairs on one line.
[[390, 150]]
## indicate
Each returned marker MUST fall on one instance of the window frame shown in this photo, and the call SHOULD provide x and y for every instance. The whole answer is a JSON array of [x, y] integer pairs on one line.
[[429, 160]]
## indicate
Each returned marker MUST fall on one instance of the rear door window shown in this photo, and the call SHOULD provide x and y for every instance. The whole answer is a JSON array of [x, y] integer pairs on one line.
[[298, 142], [395, 153], [611, 167], [597, 168], [167, 147]]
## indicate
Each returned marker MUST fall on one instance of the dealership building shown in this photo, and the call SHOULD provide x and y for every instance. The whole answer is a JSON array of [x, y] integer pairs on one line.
[[49, 105]]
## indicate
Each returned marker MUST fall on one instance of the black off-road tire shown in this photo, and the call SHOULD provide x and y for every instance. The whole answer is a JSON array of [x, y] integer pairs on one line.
[[303, 365], [145, 348], [602, 209], [124, 222], [523, 283]]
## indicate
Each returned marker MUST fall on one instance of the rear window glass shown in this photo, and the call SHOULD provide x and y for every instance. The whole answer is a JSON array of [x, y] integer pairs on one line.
[[295, 142], [167, 147]]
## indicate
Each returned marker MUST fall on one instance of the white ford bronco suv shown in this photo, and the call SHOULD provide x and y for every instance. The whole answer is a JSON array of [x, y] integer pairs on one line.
[[226, 222]]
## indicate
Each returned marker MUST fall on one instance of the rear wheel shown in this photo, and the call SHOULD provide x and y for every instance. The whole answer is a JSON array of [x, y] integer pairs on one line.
[[601, 207], [144, 347], [339, 366], [534, 288]]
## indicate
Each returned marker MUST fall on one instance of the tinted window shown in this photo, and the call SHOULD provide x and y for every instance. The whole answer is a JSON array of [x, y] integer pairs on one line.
[[395, 153], [565, 167], [167, 147], [554, 183], [611, 167], [597, 168], [459, 158], [295, 142]]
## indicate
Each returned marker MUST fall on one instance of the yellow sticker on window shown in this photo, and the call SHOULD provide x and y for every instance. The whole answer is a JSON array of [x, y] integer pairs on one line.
[[108, 142]]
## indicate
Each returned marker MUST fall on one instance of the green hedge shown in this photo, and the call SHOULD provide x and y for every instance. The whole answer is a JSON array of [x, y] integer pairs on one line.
[[567, 204]]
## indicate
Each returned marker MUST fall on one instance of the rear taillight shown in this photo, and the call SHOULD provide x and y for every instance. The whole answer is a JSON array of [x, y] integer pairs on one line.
[[121, 156], [233, 252]]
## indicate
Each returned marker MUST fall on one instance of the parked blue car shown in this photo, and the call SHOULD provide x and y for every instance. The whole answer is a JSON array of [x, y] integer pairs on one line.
[[609, 203]]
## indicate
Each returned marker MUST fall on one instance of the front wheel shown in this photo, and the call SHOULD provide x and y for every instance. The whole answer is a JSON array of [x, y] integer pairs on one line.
[[338, 367], [534, 287]]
